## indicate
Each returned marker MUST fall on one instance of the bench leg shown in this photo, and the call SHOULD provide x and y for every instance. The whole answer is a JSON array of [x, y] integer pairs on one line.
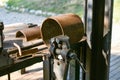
[[23, 71], [8, 76]]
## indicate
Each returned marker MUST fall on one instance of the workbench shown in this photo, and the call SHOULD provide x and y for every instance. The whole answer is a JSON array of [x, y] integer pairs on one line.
[[8, 62]]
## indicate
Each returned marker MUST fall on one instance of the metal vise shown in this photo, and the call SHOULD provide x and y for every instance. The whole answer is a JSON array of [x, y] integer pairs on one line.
[[60, 56]]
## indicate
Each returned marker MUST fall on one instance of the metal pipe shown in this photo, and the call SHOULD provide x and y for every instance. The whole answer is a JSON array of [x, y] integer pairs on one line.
[[85, 14], [29, 33], [1, 36]]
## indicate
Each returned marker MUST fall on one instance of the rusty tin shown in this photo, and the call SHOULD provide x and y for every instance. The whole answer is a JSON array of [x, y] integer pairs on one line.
[[65, 24]]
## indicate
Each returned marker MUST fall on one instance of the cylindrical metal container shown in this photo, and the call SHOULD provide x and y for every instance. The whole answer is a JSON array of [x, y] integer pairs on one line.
[[29, 33], [64, 24]]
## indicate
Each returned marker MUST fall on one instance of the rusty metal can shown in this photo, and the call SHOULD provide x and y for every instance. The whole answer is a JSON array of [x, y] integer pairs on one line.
[[65, 24], [29, 33]]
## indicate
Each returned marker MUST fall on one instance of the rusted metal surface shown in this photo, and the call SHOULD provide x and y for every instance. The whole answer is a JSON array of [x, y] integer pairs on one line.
[[29, 33], [14, 50], [29, 53], [20, 63], [64, 24], [25, 52]]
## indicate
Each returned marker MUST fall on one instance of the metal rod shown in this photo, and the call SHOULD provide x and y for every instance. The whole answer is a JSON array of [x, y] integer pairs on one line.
[[66, 71], [1, 36], [85, 15], [110, 18], [8, 76], [81, 65], [25, 47]]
